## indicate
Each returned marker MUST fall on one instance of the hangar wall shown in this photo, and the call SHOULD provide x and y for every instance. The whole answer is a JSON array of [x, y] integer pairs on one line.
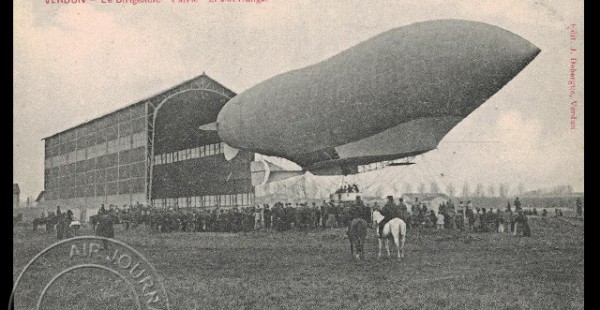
[[150, 152], [102, 161]]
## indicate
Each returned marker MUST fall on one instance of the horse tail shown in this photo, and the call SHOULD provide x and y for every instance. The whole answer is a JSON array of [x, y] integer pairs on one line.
[[397, 230], [402, 228]]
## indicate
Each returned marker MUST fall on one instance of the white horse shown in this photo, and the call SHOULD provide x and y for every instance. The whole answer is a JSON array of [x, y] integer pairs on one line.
[[395, 228]]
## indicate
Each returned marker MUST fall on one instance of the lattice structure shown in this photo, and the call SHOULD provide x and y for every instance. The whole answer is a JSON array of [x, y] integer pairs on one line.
[[110, 159], [153, 106]]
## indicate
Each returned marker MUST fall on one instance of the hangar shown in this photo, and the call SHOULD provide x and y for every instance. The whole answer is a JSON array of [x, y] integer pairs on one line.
[[150, 152]]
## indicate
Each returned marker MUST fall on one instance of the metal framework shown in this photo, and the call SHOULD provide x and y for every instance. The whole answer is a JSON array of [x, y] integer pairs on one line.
[[152, 107], [61, 186], [75, 168]]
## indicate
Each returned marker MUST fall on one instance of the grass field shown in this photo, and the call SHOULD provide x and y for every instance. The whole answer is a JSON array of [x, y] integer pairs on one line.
[[314, 270]]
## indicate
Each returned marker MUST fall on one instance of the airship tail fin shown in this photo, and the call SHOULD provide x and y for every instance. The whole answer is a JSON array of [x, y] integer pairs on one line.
[[229, 152], [263, 172]]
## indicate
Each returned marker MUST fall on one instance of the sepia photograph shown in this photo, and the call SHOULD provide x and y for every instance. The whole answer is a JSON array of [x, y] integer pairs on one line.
[[298, 154]]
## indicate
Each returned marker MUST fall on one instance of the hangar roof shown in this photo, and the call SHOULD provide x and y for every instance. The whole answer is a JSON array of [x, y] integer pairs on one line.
[[203, 75]]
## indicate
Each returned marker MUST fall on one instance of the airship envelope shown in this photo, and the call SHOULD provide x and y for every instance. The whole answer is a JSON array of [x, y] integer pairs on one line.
[[392, 96]]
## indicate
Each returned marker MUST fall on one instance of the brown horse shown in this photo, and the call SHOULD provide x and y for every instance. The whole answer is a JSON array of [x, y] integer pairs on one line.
[[357, 233]]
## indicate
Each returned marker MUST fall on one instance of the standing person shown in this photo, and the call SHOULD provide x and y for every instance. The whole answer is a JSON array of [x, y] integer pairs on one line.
[[402, 209], [521, 220], [517, 204], [257, 216], [500, 220], [322, 215], [476, 226], [67, 232], [579, 205], [50, 222], [517, 221], [366, 213], [331, 220], [105, 226], [316, 212], [268, 217], [354, 212], [469, 218], [451, 218], [526, 227], [432, 219], [463, 214], [509, 218], [484, 220], [450, 205], [60, 225], [440, 220], [375, 207], [42, 219]]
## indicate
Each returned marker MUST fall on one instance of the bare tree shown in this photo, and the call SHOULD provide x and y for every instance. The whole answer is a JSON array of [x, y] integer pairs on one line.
[[491, 190], [434, 188], [479, 190], [465, 190], [570, 190], [407, 187], [450, 190], [421, 188], [503, 190], [521, 189]]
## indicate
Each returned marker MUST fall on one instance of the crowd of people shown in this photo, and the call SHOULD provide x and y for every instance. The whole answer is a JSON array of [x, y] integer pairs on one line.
[[65, 223], [286, 216], [279, 217]]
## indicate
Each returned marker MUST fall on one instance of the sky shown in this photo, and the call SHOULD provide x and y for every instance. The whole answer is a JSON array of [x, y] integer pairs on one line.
[[75, 62]]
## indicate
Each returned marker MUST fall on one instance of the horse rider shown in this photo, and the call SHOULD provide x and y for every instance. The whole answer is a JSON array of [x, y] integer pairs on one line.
[[389, 211]]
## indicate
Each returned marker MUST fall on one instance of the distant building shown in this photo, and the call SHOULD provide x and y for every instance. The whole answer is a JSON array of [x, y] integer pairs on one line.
[[16, 195], [41, 198], [432, 201]]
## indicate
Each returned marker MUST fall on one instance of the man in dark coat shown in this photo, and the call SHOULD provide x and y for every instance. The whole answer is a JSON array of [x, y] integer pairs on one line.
[[403, 209], [389, 211], [356, 211], [470, 216], [267, 213], [67, 219], [517, 204], [105, 226], [521, 220], [60, 225]]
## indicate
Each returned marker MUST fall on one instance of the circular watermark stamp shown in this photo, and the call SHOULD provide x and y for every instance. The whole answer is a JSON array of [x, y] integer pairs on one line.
[[88, 256]]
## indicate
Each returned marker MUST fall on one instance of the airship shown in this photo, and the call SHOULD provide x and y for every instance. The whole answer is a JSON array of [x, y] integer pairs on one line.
[[393, 96]]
